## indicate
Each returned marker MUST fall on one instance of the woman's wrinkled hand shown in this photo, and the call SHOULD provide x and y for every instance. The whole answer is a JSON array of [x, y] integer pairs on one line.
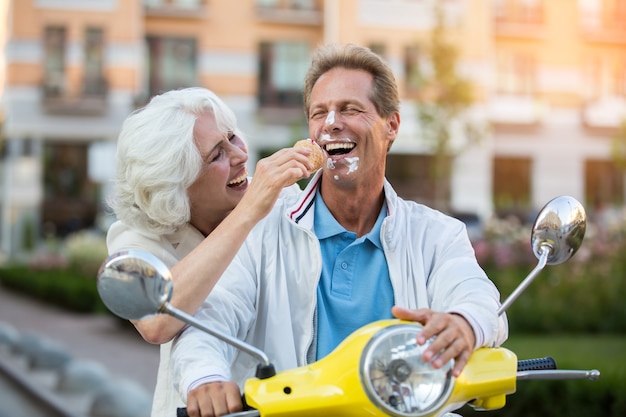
[[272, 175]]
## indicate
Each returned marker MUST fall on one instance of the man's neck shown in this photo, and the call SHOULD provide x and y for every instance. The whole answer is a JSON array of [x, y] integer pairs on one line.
[[355, 209]]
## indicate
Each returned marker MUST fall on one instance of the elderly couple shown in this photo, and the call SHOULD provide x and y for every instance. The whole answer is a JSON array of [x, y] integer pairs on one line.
[[291, 271]]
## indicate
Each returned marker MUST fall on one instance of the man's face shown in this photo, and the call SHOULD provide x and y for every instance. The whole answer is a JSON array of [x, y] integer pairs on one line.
[[223, 178], [344, 121]]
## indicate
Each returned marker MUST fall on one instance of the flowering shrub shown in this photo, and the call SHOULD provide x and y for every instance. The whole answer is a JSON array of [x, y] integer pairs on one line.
[[584, 294], [61, 272], [85, 252]]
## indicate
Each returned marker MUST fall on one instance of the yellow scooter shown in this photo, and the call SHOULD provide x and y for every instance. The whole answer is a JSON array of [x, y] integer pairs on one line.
[[378, 370]]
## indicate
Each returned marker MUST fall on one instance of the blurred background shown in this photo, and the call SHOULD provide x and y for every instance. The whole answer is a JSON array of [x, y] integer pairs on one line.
[[505, 105]]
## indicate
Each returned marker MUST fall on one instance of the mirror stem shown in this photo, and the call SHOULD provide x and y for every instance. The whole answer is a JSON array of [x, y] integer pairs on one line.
[[543, 259], [192, 321]]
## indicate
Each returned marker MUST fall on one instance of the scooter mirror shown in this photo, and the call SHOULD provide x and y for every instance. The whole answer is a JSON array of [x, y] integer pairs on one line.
[[557, 234], [134, 284], [560, 228]]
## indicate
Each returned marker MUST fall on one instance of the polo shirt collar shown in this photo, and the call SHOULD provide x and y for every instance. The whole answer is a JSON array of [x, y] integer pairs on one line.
[[327, 226]]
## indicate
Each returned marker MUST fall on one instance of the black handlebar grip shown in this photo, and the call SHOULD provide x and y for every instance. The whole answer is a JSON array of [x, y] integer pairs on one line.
[[536, 364]]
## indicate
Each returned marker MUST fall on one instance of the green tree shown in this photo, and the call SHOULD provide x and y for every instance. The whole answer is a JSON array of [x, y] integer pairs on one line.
[[442, 102], [618, 146]]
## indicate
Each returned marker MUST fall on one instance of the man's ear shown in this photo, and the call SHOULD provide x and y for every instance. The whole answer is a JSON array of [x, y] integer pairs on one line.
[[393, 125]]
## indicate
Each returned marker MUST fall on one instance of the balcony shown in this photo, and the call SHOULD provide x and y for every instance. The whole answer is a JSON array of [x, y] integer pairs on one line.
[[520, 23], [609, 34], [531, 31], [187, 9], [92, 101], [518, 113], [604, 114], [296, 12]]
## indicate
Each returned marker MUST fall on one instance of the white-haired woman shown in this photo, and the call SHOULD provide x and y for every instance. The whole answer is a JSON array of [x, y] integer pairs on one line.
[[182, 193]]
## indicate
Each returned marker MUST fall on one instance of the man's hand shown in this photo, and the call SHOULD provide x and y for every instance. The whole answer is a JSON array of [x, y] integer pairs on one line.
[[454, 336], [214, 399]]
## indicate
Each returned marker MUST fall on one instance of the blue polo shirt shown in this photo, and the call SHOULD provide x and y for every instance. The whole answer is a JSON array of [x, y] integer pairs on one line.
[[354, 288]]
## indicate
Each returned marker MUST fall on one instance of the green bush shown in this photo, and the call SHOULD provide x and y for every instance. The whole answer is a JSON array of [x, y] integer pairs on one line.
[[63, 274], [58, 286], [603, 397], [585, 297], [561, 399], [85, 252]]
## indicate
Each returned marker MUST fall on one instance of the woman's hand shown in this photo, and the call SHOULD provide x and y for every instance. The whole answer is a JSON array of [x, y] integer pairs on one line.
[[271, 175]]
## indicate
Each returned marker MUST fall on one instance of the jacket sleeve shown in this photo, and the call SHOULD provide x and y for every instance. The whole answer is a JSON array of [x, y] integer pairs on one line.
[[197, 357], [457, 284]]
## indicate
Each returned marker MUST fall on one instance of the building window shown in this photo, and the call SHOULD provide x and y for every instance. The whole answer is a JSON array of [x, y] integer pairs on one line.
[[54, 61], [516, 74], [413, 177], [590, 13], [171, 63], [593, 75], [94, 82], [379, 49], [619, 76], [605, 77], [70, 197], [604, 183], [282, 68], [519, 11], [512, 187], [412, 69]]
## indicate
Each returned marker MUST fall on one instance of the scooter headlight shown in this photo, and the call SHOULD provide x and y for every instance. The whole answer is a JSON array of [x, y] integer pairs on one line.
[[396, 378]]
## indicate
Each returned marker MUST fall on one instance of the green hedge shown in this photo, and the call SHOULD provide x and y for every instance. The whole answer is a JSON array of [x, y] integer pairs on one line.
[[603, 397], [63, 287], [561, 399], [580, 296], [575, 297], [62, 273]]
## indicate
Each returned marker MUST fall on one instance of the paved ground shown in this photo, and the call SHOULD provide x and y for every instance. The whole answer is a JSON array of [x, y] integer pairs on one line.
[[103, 338]]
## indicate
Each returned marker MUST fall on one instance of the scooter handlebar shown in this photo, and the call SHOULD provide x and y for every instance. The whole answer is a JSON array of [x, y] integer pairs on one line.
[[537, 364]]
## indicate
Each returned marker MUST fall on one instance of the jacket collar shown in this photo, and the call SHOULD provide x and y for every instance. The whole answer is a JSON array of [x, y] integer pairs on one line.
[[302, 211]]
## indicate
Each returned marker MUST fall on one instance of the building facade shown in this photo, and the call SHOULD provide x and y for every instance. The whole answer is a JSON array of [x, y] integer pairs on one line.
[[549, 79]]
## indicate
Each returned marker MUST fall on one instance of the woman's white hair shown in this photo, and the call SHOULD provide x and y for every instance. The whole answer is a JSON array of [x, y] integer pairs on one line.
[[157, 158]]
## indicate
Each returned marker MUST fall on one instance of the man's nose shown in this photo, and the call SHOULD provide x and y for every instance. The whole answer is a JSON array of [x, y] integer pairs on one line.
[[332, 123]]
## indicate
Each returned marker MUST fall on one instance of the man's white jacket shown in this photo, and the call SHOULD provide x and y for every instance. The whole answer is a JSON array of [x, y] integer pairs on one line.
[[267, 296]]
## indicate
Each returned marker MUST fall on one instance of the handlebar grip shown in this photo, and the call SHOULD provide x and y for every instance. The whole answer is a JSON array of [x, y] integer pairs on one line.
[[536, 364]]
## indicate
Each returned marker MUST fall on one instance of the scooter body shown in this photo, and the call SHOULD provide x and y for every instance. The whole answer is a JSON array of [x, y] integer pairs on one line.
[[337, 385]]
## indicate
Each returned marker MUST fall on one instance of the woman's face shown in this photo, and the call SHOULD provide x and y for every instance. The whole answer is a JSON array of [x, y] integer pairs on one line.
[[223, 178]]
